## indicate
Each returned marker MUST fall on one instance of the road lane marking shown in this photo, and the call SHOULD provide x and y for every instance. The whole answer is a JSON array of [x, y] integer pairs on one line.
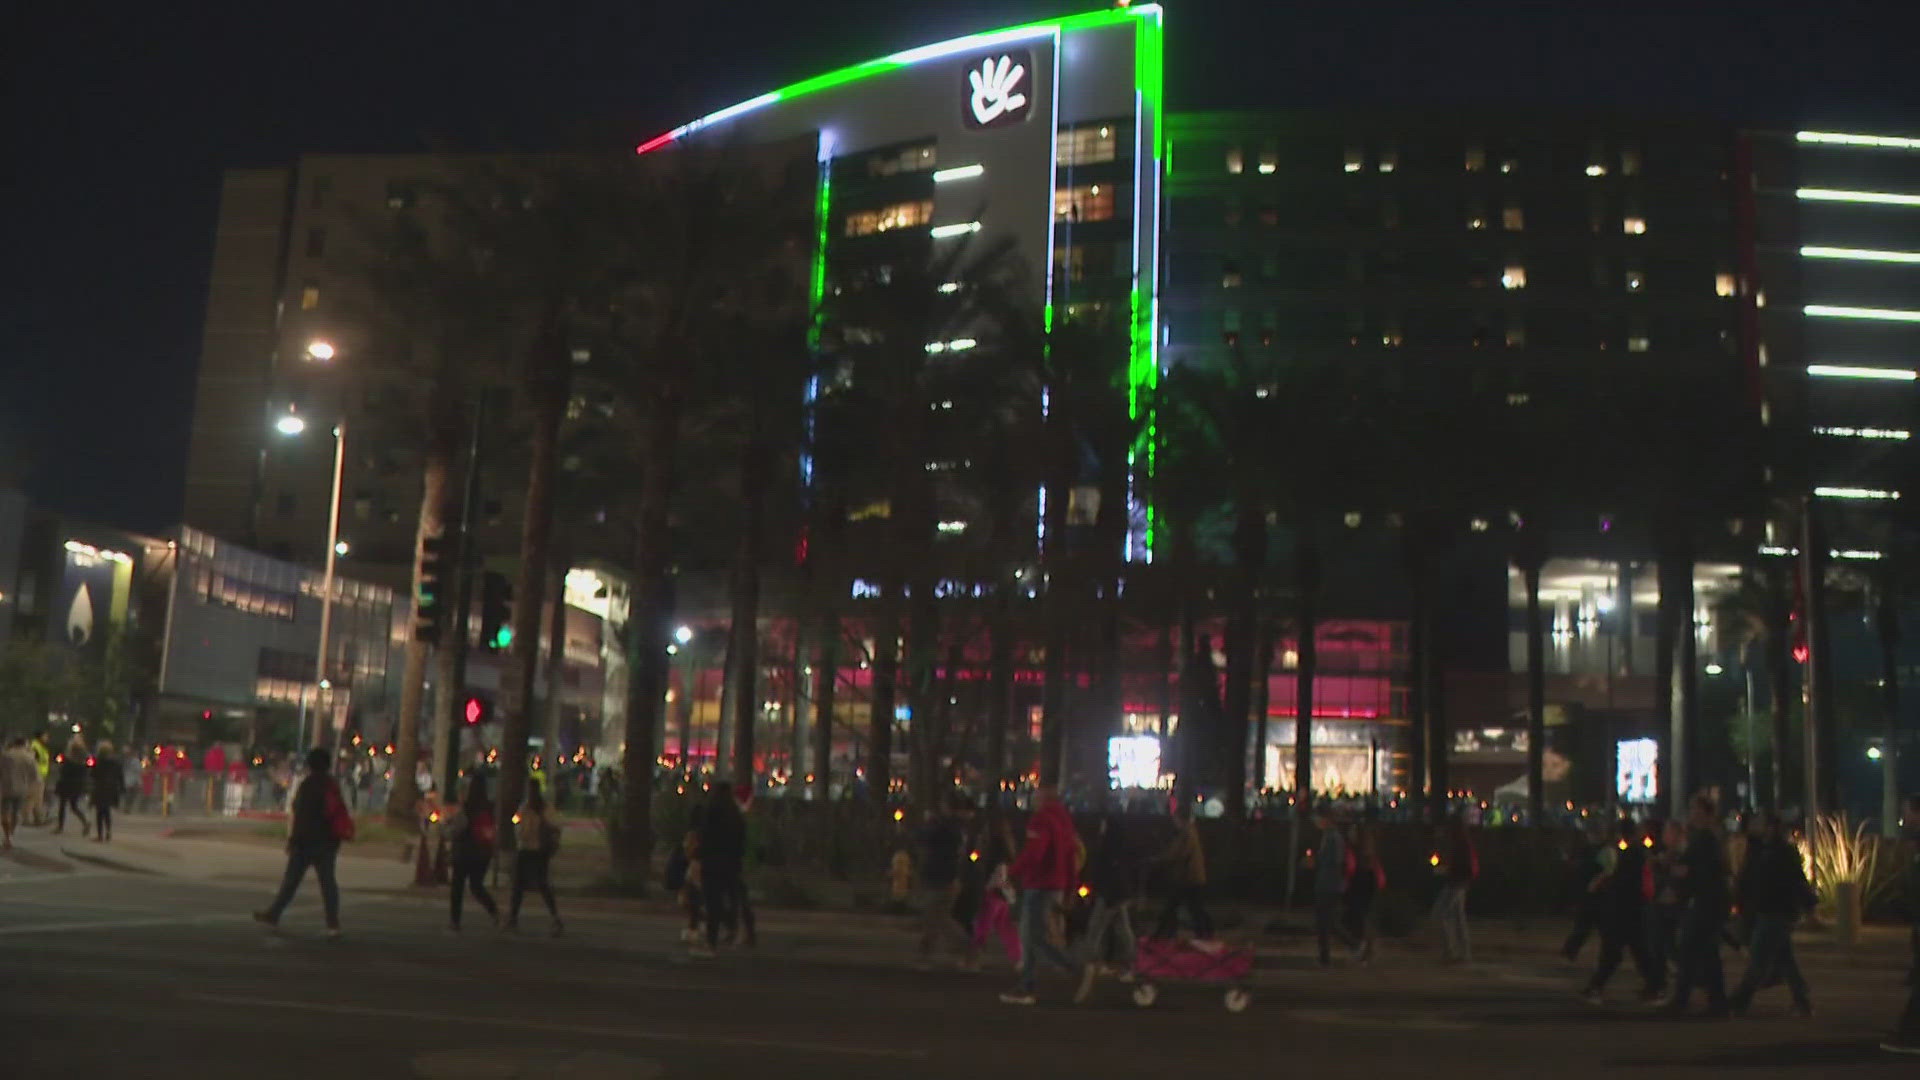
[[558, 1028], [120, 924]]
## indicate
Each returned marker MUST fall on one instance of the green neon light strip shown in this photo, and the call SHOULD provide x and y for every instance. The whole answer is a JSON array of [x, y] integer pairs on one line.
[[1147, 13], [817, 284], [1143, 369]]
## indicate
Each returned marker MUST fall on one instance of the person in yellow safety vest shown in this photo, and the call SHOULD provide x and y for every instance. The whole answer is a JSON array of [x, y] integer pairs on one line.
[[37, 798]]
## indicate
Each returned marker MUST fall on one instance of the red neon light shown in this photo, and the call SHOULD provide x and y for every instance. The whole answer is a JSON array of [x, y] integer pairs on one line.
[[654, 143], [473, 710]]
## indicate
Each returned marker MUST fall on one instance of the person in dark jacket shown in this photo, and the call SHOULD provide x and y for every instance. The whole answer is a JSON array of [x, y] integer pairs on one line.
[[1664, 913], [70, 785], [1113, 876], [723, 855], [1458, 864], [1905, 1038], [538, 832], [1369, 879], [1588, 904], [474, 829], [1702, 877], [1330, 864], [1622, 887], [942, 839], [109, 783], [312, 841], [1774, 893]]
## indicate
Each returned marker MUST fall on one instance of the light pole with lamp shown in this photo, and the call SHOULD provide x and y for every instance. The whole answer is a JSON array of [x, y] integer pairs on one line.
[[290, 425]]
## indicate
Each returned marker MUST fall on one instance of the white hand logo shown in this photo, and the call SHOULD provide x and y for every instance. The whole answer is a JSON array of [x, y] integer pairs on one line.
[[996, 89]]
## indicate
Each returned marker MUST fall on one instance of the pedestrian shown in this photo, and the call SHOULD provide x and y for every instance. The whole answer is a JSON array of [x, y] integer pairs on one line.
[[473, 828], [1774, 893], [1184, 862], [1113, 876], [1905, 1038], [16, 783], [723, 853], [1701, 874], [42, 762], [683, 876], [317, 823], [1458, 864], [941, 842], [1663, 915], [1333, 864], [1623, 885], [1368, 881], [109, 784], [1588, 903], [537, 831], [995, 915], [1043, 872], [70, 784]]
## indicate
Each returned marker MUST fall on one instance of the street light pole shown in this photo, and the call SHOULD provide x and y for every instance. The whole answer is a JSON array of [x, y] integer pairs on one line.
[[326, 579]]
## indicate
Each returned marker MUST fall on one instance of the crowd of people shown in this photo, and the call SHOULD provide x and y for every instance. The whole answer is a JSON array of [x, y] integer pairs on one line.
[[95, 777]]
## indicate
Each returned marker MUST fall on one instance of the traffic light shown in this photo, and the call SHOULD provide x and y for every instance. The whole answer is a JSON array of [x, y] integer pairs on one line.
[[496, 611], [477, 711], [431, 600]]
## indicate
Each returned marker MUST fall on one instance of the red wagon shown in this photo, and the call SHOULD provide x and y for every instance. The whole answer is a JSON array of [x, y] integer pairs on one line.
[[1193, 961]]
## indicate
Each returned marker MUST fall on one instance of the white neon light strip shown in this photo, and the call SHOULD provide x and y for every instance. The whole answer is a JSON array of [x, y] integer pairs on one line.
[[959, 172], [1856, 553], [968, 44], [1884, 198], [1854, 493], [1831, 311], [1843, 371], [956, 345], [1891, 434], [941, 232], [1860, 254], [1836, 138], [948, 288]]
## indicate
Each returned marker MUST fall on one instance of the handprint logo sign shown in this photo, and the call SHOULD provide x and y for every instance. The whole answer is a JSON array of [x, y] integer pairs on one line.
[[996, 90]]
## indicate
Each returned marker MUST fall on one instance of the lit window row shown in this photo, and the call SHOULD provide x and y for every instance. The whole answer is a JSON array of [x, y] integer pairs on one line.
[[1386, 159], [905, 215], [1087, 144], [1084, 202]]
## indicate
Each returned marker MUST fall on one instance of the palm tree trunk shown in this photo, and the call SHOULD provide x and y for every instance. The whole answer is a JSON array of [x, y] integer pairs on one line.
[[1887, 628], [404, 794], [999, 688], [826, 674], [886, 677], [548, 371], [745, 649], [1307, 584], [1053, 690], [1417, 661], [551, 698], [649, 628], [1262, 699], [1780, 676], [1536, 696]]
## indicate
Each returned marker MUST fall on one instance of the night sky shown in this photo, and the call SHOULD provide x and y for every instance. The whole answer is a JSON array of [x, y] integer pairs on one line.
[[120, 117]]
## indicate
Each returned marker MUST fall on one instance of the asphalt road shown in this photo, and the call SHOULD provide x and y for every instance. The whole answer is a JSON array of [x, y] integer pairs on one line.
[[107, 973]]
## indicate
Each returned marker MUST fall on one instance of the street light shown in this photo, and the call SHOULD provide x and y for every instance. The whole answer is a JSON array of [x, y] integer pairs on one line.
[[1714, 669], [683, 635], [291, 425], [320, 350], [341, 548]]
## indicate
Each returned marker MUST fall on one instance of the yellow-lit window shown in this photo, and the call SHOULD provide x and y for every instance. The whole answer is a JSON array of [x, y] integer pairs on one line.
[[1356, 159], [1513, 277], [1476, 159], [309, 297], [1633, 225], [1236, 161], [1389, 160], [912, 159], [1636, 280], [1088, 144], [1269, 161], [1513, 219], [904, 215], [1638, 343], [1083, 202], [1629, 163], [1723, 285]]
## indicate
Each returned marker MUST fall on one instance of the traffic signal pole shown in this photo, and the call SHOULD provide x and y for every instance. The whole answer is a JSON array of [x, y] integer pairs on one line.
[[455, 698]]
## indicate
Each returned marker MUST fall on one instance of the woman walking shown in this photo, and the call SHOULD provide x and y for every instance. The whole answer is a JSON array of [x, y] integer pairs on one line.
[[109, 784], [1369, 879], [1458, 864], [473, 829], [538, 832], [71, 784]]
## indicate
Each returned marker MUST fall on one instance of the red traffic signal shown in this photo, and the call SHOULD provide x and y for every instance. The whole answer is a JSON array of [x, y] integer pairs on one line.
[[478, 711]]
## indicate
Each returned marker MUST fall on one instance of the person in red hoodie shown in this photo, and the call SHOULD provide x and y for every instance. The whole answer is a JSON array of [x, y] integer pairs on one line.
[[1043, 871]]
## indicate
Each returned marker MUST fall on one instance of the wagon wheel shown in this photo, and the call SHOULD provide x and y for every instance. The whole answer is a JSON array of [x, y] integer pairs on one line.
[[1238, 999], [1145, 994]]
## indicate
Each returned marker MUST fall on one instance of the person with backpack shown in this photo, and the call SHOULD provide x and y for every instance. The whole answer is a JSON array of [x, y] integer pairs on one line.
[[317, 823], [474, 829], [109, 783], [1113, 878], [1368, 881], [538, 832], [70, 784], [941, 842], [1623, 887], [1333, 865], [1774, 894], [1458, 864], [1044, 871], [1905, 1038]]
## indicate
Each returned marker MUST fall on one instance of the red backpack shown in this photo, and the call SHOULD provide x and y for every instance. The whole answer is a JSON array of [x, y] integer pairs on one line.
[[339, 819], [480, 830]]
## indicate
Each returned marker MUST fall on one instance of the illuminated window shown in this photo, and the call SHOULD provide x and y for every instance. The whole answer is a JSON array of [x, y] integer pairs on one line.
[[1596, 170], [400, 195], [1088, 312], [1356, 159], [1477, 222], [1633, 225], [1230, 275], [309, 296], [1636, 280], [1085, 202], [1629, 163], [1236, 161], [1508, 165], [1638, 343], [1513, 219], [1088, 144], [904, 215], [911, 159], [316, 241], [1269, 161], [1390, 335], [1723, 285], [1514, 277], [1389, 160], [1516, 332], [1230, 326], [1476, 159]]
